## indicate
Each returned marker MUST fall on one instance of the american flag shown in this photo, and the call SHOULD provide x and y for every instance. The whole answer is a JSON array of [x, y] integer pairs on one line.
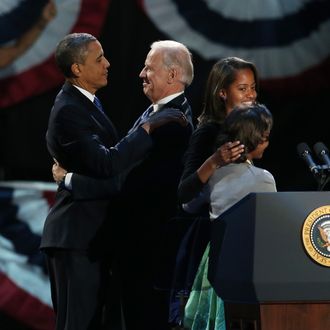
[[289, 41], [24, 283], [25, 77]]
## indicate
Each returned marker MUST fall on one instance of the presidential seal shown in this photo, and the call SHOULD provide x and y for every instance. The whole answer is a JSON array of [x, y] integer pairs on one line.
[[316, 235]]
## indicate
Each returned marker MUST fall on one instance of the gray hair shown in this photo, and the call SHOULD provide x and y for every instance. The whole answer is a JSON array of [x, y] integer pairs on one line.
[[73, 48], [176, 55]]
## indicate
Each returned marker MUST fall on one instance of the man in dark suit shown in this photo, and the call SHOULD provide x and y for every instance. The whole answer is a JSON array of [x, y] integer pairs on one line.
[[148, 196], [150, 190], [82, 139]]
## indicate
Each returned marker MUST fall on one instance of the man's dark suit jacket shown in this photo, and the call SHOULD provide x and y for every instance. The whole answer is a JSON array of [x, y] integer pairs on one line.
[[83, 140], [162, 162], [148, 198]]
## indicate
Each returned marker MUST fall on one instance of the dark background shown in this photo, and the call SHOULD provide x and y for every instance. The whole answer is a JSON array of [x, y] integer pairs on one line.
[[126, 37]]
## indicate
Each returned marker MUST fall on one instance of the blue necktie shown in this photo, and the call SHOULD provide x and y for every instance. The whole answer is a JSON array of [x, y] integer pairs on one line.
[[98, 103], [142, 119]]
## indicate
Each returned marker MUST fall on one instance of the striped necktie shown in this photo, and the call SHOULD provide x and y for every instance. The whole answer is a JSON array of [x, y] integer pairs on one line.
[[142, 119], [98, 103]]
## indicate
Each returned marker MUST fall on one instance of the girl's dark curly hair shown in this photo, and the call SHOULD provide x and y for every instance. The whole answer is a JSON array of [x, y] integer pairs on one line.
[[248, 125]]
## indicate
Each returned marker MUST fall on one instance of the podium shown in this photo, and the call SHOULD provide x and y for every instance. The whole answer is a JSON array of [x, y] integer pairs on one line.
[[260, 267]]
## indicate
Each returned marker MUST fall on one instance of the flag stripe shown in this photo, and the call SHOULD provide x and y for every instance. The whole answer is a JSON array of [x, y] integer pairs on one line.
[[281, 31], [288, 47], [15, 22], [35, 71], [24, 283], [24, 307], [44, 46], [29, 83]]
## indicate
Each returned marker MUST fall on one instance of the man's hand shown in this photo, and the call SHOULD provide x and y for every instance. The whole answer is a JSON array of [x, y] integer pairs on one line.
[[164, 117], [59, 172]]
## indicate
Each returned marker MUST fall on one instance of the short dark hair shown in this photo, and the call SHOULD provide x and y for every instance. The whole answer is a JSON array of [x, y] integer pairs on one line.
[[247, 124], [72, 49]]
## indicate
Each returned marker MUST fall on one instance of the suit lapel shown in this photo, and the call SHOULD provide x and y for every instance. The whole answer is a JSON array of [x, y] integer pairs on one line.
[[181, 103], [141, 120], [99, 118]]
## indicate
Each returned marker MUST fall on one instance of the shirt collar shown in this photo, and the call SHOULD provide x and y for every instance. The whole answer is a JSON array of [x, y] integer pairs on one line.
[[89, 95], [165, 100]]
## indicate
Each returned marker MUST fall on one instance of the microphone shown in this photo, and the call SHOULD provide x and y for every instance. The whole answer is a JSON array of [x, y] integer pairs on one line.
[[322, 152], [305, 153]]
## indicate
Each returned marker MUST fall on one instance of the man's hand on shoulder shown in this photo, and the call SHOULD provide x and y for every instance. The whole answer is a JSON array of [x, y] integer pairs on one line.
[[164, 117]]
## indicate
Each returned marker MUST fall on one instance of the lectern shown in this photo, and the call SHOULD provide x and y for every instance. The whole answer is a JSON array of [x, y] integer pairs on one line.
[[269, 261]]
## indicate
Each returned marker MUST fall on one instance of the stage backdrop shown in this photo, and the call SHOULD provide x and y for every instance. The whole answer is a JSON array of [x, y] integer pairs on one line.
[[24, 283], [288, 40]]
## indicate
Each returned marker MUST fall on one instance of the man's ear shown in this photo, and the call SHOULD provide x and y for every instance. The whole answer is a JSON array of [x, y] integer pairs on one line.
[[75, 69], [172, 74]]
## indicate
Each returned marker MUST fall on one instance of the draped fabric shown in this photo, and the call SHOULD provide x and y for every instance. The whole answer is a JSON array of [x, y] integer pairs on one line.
[[35, 72], [289, 41], [24, 284]]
